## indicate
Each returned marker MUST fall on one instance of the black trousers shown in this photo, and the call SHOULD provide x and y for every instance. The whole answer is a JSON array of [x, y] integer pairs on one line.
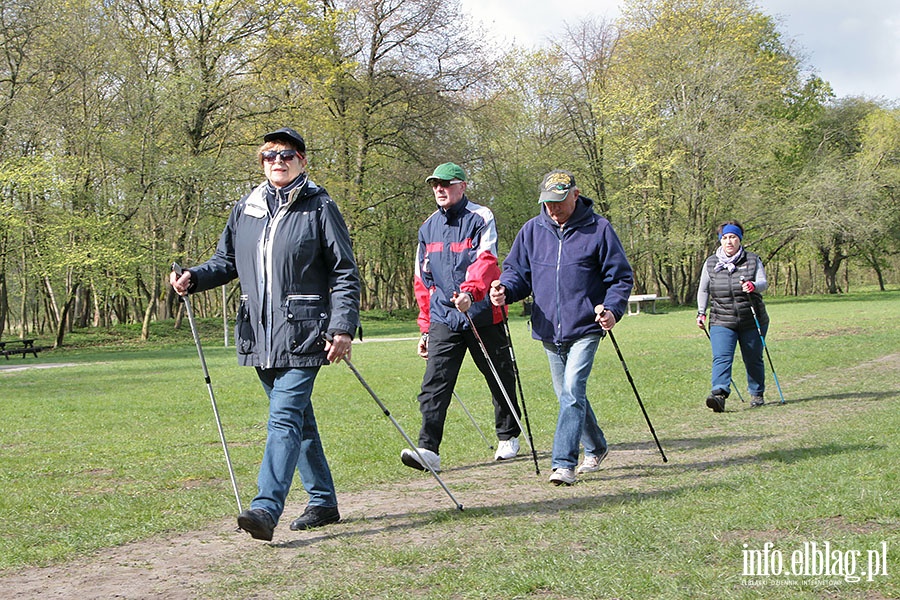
[[446, 351]]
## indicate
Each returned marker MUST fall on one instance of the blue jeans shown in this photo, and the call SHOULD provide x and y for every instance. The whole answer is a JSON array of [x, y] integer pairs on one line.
[[293, 442], [724, 340], [570, 367]]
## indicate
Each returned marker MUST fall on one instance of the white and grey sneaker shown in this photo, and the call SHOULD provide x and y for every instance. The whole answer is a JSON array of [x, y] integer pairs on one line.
[[591, 463], [411, 459], [507, 449], [562, 477]]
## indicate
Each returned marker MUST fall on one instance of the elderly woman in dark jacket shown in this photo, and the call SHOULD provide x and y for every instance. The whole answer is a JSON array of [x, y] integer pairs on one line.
[[731, 280], [289, 245]]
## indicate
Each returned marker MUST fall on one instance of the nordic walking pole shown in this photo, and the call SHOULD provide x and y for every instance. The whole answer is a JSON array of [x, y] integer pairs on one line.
[[732, 379], [512, 407], [190, 313], [765, 347], [599, 310], [471, 418], [388, 414], [512, 355]]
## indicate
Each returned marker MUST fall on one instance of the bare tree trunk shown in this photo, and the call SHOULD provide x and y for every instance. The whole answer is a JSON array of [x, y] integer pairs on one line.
[[4, 302], [151, 305], [63, 317]]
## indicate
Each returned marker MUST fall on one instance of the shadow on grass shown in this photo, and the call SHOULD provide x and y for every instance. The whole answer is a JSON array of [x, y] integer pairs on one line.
[[410, 521], [844, 396], [786, 456], [691, 443], [649, 446], [794, 455], [406, 522]]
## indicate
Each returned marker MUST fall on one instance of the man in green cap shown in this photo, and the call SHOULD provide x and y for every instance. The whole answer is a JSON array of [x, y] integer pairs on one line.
[[456, 262]]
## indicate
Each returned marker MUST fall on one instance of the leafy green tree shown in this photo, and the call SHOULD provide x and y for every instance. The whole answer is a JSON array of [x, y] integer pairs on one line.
[[397, 76], [22, 25], [847, 196], [709, 79]]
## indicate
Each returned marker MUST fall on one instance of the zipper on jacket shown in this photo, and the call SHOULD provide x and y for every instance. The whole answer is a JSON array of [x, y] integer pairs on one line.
[[304, 297], [558, 310], [269, 309]]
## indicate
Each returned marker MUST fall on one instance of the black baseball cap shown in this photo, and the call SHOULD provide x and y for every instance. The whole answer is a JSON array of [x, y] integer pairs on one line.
[[289, 135]]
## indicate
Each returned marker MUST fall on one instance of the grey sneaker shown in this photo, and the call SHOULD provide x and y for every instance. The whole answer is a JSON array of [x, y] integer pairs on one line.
[[756, 401], [591, 463], [562, 477], [507, 449], [411, 459], [716, 401]]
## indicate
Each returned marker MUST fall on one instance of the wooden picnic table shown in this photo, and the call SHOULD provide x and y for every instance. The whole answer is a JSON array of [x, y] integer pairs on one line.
[[23, 347]]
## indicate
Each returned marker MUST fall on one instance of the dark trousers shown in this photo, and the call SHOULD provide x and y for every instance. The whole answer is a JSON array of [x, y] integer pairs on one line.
[[446, 351]]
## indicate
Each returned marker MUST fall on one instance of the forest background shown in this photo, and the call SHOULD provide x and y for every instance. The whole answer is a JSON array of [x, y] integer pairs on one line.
[[128, 129]]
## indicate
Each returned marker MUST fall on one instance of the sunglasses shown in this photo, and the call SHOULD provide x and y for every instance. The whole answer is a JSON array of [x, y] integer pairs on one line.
[[436, 183], [271, 156]]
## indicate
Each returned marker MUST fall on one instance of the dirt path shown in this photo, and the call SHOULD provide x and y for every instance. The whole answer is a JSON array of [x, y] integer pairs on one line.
[[178, 566], [181, 566]]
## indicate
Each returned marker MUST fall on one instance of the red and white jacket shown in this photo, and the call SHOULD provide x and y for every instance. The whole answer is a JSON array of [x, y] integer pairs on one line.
[[457, 253]]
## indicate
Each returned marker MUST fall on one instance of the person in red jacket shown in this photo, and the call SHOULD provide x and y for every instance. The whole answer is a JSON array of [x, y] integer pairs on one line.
[[456, 262]]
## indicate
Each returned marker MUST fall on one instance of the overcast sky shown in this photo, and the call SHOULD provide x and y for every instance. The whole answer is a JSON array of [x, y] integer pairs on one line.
[[852, 44]]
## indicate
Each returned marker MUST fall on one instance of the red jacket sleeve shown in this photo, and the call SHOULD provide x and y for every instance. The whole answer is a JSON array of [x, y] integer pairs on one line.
[[480, 275], [423, 299]]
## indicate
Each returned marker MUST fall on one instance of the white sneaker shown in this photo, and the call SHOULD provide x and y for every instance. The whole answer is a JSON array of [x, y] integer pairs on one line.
[[507, 449], [591, 463], [562, 477], [411, 459]]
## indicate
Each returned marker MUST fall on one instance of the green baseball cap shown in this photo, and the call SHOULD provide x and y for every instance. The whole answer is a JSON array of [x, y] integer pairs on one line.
[[447, 172]]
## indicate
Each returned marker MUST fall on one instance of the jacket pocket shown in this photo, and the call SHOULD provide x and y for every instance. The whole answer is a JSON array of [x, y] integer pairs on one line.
[[244, 339], [307, 317]]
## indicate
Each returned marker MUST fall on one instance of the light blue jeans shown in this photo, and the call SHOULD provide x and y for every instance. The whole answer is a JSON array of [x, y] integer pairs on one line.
[[293, 442], [570, 367], [724, 340]]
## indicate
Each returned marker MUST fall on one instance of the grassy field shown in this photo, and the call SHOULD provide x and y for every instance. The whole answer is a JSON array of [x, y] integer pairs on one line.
[[121, 447]]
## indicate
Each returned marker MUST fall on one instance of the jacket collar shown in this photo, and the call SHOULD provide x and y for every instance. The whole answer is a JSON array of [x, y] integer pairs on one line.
[[456, 209], [287, 194], [583, 214]]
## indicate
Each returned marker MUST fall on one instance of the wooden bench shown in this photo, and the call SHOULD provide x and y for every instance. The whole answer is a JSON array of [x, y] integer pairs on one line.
[[23, 347], [635, 302]]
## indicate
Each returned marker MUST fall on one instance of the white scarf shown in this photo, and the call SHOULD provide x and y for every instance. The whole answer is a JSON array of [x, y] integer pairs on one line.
[[727, 262]]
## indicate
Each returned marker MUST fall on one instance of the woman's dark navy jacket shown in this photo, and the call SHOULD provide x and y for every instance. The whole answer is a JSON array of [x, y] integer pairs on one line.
[[298, 276]]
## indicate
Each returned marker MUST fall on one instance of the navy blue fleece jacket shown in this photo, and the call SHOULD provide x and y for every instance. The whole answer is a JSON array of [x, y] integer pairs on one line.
[[569, 269]]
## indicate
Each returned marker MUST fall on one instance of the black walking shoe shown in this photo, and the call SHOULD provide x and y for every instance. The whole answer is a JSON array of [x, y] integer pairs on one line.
[[258, 523], [756, 401], [716, 401], [316, 516]]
